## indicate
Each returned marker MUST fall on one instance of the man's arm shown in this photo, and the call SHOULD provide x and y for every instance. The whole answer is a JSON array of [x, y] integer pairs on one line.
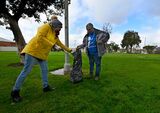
[[103, 37]]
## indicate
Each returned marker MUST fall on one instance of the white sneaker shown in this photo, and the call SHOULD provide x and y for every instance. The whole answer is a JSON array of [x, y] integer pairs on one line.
[[96, 78]]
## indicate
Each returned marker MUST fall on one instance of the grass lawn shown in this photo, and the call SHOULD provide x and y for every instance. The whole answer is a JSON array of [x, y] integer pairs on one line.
[[129, 83]]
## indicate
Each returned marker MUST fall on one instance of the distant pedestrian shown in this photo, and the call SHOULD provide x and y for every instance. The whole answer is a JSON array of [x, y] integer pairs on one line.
[[95, 43]]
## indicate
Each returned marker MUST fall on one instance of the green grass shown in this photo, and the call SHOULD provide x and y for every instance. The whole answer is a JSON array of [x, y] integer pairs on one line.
[[129, 83]]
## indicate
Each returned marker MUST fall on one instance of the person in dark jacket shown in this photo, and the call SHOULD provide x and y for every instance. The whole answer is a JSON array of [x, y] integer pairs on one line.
[[95, 43]]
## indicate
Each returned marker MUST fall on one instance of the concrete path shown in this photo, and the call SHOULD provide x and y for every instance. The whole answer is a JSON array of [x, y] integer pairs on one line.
[[58, 72]]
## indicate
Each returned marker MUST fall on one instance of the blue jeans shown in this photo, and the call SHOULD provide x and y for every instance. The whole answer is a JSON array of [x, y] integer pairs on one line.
[[29, 62], [94, 58]]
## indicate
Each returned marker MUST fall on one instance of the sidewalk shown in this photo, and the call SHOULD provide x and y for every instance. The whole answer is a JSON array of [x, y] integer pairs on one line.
[[58, 72]]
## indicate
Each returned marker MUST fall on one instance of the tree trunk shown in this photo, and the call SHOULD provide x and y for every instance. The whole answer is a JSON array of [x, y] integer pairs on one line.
[[18, 37], [131, 49], [127, 48]]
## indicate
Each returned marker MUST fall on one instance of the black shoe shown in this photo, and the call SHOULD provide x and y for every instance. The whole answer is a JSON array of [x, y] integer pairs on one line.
[[15, 96], [90, 75], [47, 89]]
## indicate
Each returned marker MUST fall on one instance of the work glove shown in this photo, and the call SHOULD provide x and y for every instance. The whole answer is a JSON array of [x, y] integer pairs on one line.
[[79, 47]]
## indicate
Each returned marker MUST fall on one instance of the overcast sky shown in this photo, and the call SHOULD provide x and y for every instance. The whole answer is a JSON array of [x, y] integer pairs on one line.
[[139, 15]]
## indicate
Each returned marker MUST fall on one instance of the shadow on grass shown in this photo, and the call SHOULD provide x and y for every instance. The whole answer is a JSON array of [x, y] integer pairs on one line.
[[19, 64]]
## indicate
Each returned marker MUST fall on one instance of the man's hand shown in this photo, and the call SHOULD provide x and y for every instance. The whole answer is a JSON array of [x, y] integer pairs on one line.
[[99, 41]]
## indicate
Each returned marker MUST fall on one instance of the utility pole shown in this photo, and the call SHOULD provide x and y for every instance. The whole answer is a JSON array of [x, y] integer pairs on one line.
[[67, 64], [144, 41]]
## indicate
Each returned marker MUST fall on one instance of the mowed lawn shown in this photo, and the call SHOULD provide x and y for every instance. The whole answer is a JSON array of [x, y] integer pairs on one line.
[[129, 83]]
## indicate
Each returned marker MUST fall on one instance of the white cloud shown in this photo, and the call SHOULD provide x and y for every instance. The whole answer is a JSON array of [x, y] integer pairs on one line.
[[153, 7], [5, 33], [116, 37], [150, 37], [115, 11], [76, 12], [28, 27]]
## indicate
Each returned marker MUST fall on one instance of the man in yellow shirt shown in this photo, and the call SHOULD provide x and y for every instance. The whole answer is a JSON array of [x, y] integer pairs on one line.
[[37, 50]]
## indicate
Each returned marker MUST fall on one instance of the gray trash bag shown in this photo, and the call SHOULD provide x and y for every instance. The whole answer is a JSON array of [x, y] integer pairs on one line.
[[76, 72]]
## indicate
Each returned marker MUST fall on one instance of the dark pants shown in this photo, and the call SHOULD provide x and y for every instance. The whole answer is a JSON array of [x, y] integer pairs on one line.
[[94, 58]]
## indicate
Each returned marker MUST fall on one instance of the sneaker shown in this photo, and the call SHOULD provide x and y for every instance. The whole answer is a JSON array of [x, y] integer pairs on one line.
[[15, 96], [47, 89], [96, 78]]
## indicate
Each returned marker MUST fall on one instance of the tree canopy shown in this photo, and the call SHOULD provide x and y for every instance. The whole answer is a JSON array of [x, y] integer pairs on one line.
[[107, 28], [112, 47], [31, 8], [130, 39]]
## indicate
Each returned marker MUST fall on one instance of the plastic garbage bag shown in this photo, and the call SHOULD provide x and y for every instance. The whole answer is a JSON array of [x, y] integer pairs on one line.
[[76, 72]]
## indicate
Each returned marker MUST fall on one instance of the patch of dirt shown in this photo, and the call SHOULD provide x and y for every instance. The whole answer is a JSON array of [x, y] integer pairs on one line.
[[19, 64]]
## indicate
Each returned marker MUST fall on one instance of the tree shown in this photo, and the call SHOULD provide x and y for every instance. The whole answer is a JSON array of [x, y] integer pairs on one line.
[[157, 50], [107, 28], [149, 48], [115, 47], [112, 47], [130, 39], [12, 10]]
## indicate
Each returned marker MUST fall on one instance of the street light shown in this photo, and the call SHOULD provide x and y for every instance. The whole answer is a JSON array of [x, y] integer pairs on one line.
[[62, 6], [66, 64]]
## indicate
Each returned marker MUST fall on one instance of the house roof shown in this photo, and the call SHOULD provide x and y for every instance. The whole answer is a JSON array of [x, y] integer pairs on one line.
[[4, 40], [157, 48]]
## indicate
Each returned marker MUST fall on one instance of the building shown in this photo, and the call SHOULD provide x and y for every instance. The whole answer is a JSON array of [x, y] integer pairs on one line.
[[7, 45], [157, 50]]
